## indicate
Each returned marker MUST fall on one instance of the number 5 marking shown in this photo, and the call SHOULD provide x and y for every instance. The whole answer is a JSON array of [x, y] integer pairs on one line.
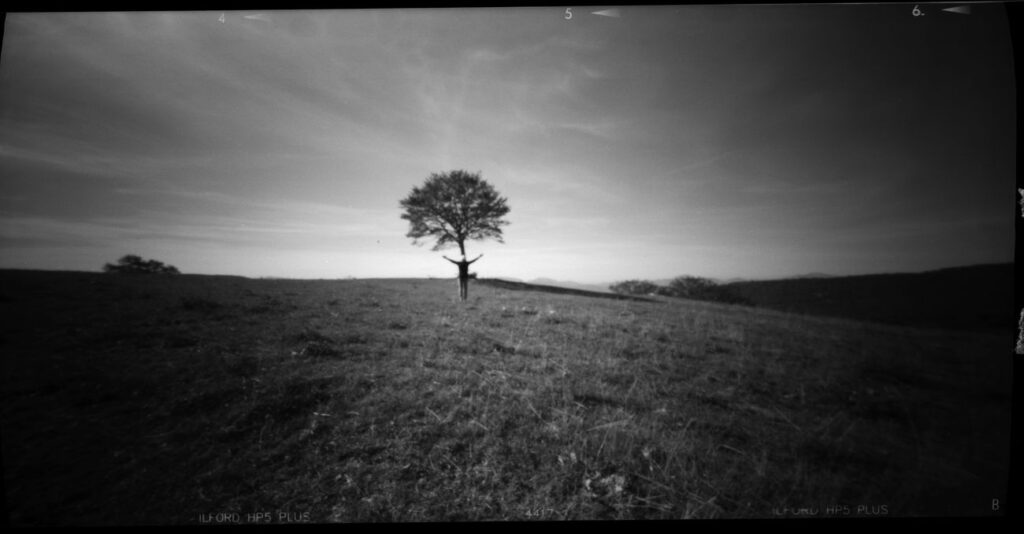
[[568, 13]]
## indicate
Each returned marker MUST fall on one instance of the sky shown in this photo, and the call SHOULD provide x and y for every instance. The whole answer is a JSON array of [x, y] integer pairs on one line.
[[719, 141]]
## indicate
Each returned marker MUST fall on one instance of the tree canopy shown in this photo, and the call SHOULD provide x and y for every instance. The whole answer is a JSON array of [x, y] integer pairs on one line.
[[453, 207]]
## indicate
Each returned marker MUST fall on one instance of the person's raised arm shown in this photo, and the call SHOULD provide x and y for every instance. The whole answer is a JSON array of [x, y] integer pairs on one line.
[[451, 260], [477, 258]]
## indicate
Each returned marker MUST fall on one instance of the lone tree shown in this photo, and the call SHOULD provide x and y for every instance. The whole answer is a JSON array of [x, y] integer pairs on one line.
[[453, 207]]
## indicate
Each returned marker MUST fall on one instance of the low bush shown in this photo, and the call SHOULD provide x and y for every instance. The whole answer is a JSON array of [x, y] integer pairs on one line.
[[136, 265], [687, 287]]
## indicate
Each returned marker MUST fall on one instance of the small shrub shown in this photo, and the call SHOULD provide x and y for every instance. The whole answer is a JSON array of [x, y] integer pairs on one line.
[[692, 287], [132, 264], [635, 287], [688, 287]]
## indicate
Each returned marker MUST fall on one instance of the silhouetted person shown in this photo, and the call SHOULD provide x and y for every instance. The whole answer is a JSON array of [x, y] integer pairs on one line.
[[463, 274]]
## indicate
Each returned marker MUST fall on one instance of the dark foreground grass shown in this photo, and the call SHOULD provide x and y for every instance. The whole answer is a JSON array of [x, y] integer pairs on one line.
[[170, 400]]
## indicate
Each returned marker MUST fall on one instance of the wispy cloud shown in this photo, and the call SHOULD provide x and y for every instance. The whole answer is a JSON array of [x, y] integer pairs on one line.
[[690, 137]]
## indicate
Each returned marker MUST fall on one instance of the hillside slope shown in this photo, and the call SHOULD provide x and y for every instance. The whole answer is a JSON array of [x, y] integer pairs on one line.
[[964, 298], [207, 400]]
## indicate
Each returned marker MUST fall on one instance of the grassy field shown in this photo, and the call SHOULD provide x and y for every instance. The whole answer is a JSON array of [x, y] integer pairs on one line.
[[199, 399]]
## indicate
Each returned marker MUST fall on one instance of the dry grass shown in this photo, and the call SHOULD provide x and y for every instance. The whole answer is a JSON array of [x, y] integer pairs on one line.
[[133, 402]]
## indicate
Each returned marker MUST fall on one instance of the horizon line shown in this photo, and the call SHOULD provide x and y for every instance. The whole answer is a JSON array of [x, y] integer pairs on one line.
[[539, 278]]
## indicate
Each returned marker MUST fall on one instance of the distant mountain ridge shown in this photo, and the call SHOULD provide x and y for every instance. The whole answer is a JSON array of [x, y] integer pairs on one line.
[[809, 275], [506, 283], [571, 285], [604, 287]]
